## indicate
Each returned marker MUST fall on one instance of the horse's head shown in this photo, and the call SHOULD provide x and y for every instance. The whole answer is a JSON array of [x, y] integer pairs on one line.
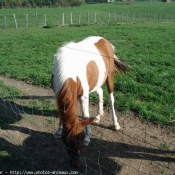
[[73, 138]]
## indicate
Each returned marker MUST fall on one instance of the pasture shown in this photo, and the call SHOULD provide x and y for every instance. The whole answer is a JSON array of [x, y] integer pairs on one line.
[[144, 98], [85, 14]]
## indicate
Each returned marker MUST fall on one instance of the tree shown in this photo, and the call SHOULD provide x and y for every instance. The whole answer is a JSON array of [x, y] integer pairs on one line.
[[2, 3]]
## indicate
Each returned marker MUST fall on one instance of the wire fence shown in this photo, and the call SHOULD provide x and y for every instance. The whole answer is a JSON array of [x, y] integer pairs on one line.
[[85, 18], [27, 124]]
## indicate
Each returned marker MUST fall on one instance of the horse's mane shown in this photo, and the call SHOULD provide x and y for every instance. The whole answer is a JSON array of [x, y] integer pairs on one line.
[[67, 102]]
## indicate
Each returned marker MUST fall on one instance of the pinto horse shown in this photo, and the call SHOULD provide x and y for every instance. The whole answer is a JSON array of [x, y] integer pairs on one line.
[[79, 69]]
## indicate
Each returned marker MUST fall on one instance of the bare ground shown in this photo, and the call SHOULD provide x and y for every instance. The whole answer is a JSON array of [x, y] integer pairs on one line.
[[27, 143]]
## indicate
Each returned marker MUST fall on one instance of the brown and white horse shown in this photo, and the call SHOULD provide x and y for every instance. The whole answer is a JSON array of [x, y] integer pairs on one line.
[[79, 69]]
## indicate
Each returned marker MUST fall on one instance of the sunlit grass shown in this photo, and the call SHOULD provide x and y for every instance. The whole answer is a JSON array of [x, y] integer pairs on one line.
[[148, 89]]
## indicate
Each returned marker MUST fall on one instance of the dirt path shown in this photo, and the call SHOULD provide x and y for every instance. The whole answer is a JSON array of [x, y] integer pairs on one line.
[[138, 148]]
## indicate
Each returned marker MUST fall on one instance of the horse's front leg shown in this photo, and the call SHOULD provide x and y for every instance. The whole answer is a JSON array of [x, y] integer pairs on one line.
[[58, 132], [85, 112], [99, 93]]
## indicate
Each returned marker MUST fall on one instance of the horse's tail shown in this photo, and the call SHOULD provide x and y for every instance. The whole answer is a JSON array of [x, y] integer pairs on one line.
[[120, 66]]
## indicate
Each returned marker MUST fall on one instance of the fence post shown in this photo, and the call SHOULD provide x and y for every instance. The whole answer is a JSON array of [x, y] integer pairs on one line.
[[79, 19], [63, 20], [145, 18], [36, 18], [102, 18], [95, 18], [163, 17], [109, 16], [71, 18], [27, 21], [4, 22], [155, 17], [88, 17], [45, 20], [16, 25], [127, 17], [121, 17], [134, 17]]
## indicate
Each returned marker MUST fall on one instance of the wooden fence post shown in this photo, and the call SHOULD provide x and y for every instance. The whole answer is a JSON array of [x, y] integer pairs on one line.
[[27, 21], [102, 18], [109, 17], [63, 20], [79, 19], [163, 17], [16, 25], [36, 18], [134, 17], [95, 18], [45, 20], [71, 22], [145, 18], [5, 22], [127, 17], [121, 17], [88, 18], [155, 17]]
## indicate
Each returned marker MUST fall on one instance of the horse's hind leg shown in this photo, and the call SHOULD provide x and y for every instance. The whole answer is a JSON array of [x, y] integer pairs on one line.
[[99, 93], [110, 87], [116, 125]]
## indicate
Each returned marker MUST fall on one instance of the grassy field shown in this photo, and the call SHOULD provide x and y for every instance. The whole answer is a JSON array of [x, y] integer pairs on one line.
[[148, 89], [119, 12]]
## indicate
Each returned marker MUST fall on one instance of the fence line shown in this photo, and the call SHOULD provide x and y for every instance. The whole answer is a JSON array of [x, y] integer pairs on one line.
[[85, 18]]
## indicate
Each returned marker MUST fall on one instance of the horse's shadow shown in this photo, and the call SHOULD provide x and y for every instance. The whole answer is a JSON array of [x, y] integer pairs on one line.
[[40, 151], [12, 112]]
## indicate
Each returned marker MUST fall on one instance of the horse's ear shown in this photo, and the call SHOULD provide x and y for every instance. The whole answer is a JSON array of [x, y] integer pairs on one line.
[[86, 122]]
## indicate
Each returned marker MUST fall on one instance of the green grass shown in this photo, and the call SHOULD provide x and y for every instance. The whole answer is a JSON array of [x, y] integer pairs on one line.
[[15, 103], [148, 89]]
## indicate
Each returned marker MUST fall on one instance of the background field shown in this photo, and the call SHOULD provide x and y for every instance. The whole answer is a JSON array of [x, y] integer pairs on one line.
[[119, 12], [147, 91]]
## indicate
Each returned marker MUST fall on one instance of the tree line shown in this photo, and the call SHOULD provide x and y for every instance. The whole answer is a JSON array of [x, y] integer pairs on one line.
[[39, 3]]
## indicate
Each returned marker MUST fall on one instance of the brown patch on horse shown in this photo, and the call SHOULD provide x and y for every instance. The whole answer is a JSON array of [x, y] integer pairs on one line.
[[107, 52], [92, 74]]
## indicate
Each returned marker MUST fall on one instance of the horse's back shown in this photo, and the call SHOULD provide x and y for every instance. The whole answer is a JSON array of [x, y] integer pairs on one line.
[[73, 59]]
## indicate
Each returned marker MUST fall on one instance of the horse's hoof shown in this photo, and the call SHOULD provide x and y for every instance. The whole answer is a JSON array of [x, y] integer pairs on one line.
[[85, 143], [116, 127], [96, 120], [57, 135]]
